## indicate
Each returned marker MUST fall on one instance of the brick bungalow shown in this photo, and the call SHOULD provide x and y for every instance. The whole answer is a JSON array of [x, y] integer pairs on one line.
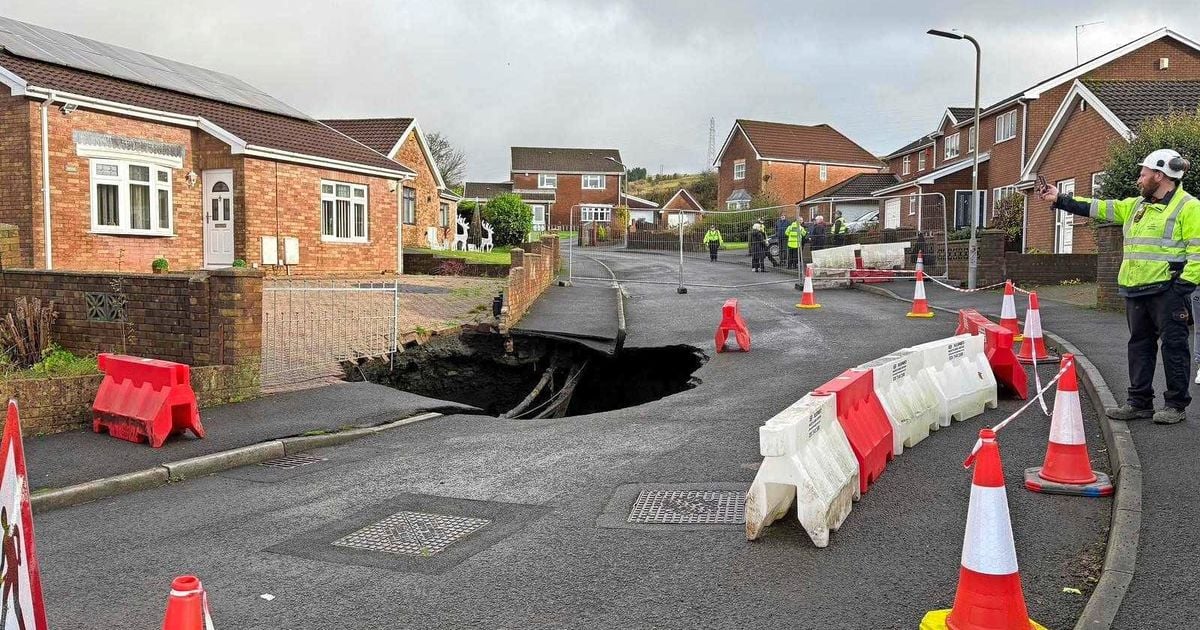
[[1012, 129], [111, 164], [425, 201], [853, 197], [641, 210], [682, 206], [783, 162]]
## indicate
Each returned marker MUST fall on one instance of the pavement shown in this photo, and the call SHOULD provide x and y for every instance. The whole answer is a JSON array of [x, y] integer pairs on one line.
[[553, 551], [1162, 592]]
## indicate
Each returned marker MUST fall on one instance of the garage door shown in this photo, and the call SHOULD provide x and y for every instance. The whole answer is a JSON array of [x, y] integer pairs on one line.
[[891, 214]]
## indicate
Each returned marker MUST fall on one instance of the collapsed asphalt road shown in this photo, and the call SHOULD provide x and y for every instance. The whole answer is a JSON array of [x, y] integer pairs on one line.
[[544, 502]]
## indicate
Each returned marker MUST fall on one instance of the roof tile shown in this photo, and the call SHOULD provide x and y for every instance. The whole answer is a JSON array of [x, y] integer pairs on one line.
[[554, 160], [380, 134], [816, 143]]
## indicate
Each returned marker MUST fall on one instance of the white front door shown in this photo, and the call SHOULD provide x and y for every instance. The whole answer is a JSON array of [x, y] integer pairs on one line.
[[891, 214], [1064, 222], [539, 217], [218, 218]]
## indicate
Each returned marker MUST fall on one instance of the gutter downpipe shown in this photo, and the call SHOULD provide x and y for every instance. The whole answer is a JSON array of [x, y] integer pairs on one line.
[[1025, 211], [46, 179]]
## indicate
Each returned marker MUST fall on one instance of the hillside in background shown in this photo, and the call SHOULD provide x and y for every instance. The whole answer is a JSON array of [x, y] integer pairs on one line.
[[659, 188]]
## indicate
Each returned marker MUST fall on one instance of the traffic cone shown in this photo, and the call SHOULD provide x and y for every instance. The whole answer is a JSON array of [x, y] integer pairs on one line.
[[1033, 346], [920, 307], [808, 300], [1067, 468], [1008, 312], [989, 593], [920, 261], [187, 606]]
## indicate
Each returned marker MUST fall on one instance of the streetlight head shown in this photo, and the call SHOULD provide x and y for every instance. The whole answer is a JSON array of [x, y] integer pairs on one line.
[[946, 34]]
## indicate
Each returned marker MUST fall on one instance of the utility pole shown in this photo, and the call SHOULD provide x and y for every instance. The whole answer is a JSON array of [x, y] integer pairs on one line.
[[712, 140], [1079, 27]]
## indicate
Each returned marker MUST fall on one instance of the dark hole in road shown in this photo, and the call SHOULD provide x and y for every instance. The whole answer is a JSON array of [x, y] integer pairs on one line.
[[538, 378]]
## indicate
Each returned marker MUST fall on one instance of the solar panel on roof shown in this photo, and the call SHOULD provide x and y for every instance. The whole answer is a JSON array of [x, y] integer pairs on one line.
[[43, 44]]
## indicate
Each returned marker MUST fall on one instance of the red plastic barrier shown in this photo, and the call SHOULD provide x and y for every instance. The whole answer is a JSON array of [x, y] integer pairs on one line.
[[869, 276], [145, 399], [998, 346], [865, 422], [731, 321]]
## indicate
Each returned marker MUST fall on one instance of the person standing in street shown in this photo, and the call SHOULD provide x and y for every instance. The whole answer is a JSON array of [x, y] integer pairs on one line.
[[795, 235], [758, 247], [839, 229], [712, 238], [1160, 269], [781, 225], [819, 230]]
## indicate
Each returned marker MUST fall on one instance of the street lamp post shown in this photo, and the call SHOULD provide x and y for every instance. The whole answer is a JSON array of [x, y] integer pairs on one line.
[[973, 244]]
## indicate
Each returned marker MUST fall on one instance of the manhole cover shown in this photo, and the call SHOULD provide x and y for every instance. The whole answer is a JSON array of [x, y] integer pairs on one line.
[[688, 507], [296, 460], [412, 533]]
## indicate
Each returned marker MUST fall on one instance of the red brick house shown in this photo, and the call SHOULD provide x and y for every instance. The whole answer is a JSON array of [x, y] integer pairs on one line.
[[853, 197], [682, 206], [111, 164], [1012, 129], [425, 201], [783, 162], [1072, 152], [585, 183]]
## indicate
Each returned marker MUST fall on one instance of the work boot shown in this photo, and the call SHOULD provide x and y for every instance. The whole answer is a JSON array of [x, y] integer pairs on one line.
[[1128, 412], [1169, 415]]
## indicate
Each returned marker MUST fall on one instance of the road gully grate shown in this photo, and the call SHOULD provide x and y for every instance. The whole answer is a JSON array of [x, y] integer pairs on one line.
[[295, 460], [688, 507], [412, 533]]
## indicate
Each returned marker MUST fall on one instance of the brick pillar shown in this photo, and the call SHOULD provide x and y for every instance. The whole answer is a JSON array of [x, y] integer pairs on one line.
[[516, 257], [1109, 247], [10, 247], [991, 264]]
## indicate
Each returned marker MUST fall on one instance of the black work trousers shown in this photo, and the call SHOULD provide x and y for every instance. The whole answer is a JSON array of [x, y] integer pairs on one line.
[[1161, 316]]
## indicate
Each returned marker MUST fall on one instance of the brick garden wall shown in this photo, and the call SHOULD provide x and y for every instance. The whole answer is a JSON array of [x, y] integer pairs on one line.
[[990, 268], [534, 267], [1049, 268], [1110, 243]]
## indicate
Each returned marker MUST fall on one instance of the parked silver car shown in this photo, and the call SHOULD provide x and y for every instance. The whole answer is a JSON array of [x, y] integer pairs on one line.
[[863, 223]]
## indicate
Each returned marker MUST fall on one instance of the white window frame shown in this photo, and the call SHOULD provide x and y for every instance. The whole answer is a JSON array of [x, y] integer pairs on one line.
[[824, 172], [907, 163], [588, 182], [351, 198], [547, 180], [912, 205], [124, 197], [1063, 218], [737, 205], [950, 146], [921, 160], [444, 213], [739, 169], [1097, 182], [595, 214], [1006, 126]]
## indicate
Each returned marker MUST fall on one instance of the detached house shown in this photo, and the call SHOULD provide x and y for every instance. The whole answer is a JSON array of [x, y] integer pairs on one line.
[[1059, 128], [583, 182], [114, 158], [424, 200], [785, 162]]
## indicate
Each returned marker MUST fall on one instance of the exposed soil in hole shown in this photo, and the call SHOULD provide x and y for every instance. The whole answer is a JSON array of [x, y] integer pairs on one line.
[[536, 377]]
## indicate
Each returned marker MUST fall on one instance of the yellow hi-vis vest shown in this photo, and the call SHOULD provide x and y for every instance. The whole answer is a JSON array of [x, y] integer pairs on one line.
[[1156, 235]]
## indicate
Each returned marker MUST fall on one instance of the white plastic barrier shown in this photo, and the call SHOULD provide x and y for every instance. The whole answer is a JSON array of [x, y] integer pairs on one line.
[[958, 369], [806, 457], [834, 257], [884, 255], [911, 402]]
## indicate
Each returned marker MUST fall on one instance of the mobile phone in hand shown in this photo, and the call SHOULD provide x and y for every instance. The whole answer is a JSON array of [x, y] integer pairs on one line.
[[1042, 185]]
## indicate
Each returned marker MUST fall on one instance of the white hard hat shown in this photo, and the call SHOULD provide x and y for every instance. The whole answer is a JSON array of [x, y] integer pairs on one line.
[[1167, 162]]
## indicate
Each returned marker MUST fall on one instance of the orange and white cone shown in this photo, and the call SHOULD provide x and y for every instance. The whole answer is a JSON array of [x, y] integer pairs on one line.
[[1067, 468], [808, 299], [1008, 312], [989, 595], [187, 607], [1033, 348], [920, 261], [920, 307]]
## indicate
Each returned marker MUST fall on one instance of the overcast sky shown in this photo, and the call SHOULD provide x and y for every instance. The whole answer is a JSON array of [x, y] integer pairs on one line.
[[643, 76]]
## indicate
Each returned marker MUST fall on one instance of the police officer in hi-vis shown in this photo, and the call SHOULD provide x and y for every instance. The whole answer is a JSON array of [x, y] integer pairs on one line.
[[1160, 268]]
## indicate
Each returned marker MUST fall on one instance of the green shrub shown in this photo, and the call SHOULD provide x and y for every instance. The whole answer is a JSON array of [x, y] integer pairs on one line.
[[1180, 131], [160, 265], [601, 233], [511, 219], [239, 263], [59, 362]]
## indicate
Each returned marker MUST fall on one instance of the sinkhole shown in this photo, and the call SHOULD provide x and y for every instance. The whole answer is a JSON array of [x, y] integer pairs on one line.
[[534, 377]]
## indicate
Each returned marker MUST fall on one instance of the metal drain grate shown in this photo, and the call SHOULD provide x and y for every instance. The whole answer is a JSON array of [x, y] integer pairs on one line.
[[688, 507], [412, 533], [295, 460]]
